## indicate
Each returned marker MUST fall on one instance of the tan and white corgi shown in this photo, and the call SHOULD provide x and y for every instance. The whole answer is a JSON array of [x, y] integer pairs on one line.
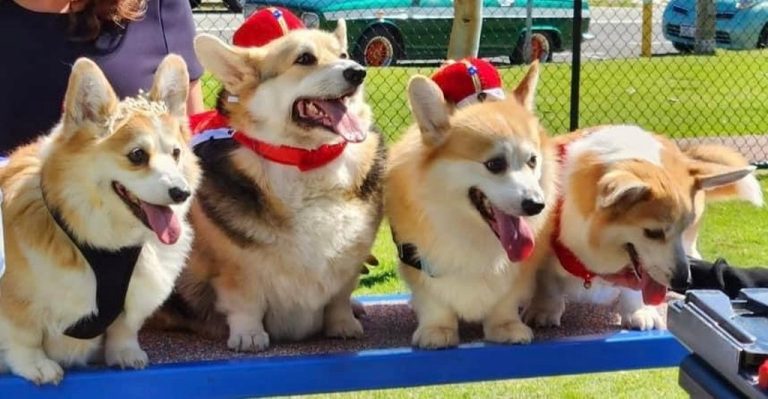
[[617, 232], [746, 189], [290, 201], [466, 193], [94, 217]]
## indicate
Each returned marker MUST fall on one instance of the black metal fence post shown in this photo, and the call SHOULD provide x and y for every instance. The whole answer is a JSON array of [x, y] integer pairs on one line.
[[576, 65]]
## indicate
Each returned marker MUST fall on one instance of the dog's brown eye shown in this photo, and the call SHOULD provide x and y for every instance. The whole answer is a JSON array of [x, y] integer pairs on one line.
[[138, 156], [176, 153], [532, 162], [306, 59], [344, 55], [654, 234], [496, 165]]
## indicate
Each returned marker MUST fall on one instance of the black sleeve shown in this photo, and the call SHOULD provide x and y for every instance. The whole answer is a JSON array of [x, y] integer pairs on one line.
[[719, 275]]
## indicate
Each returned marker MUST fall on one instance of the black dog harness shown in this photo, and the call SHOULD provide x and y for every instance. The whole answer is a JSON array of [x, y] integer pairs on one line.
[[113, 270], [408, 254]]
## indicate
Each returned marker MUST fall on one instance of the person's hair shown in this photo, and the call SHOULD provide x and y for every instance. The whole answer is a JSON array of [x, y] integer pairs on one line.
[[97, 14]]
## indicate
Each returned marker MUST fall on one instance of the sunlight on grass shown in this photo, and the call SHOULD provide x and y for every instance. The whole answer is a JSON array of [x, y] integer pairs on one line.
[[681, 96], [655, 383], [675, 95]]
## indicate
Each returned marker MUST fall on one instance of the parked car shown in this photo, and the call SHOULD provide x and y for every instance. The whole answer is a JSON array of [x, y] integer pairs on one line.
[[739, 24], [383, 32], [232, 5]]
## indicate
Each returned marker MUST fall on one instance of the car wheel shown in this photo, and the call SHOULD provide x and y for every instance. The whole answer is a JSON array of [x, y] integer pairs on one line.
[[762, 42], [683, 48], [377, 48], [235, 5], [195, 3], [541, 48]]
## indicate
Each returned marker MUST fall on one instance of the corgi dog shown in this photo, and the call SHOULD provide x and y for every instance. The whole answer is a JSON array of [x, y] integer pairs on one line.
[[746, 189], [94, 217], [626, 199], [466, 192], [290, 201]]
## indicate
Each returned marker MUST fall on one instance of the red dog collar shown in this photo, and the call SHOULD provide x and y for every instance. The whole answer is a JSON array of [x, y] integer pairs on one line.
[[299, 157], [570, 262]]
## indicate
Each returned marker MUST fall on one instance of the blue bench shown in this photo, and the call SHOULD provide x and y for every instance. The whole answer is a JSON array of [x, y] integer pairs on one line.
[[362, 370]]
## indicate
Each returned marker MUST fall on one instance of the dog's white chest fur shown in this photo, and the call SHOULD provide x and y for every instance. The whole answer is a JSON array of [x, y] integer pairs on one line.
[[317, 252], [471, 296], [61, 307]]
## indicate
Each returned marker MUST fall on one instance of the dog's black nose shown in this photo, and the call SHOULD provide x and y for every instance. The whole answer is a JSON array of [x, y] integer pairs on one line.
[[531, 207], [354, 75], [178, 195]]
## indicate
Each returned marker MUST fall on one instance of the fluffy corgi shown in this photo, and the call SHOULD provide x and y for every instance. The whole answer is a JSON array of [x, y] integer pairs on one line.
[[95, 224], [626, 198], [466, 193], [290, 201]]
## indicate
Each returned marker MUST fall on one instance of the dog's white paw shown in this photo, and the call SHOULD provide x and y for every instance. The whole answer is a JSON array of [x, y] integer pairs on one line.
[[645, 318], [256, 341], [511, 332], [347, 327], [40, 371], [126, 357], [436, 337], [544, 315]]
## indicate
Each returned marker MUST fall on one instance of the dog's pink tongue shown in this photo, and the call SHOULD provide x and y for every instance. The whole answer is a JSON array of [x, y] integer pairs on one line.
[[343, 123], [653, 292], [515, 235], [163, 222]]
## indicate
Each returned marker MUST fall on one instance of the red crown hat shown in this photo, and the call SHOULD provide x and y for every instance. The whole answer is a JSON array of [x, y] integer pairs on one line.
[[264, 26], [462, 81]]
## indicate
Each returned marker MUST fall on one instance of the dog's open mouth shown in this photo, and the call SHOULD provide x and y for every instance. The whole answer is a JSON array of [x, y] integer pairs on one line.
[[635, 276], [330, 114], [513, 232], [159, 218]]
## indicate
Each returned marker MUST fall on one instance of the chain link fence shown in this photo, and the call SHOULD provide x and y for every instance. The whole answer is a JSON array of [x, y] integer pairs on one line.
[[692, 76]]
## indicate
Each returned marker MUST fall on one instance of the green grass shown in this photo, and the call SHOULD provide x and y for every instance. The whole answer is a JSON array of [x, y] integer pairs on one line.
[[652, 384], [682, 96], [679, 96]]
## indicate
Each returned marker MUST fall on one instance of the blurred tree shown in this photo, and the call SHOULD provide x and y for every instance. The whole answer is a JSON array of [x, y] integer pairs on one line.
[[467, 25]]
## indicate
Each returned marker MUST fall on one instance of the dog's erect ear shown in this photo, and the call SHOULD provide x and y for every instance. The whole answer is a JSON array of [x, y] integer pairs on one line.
[[89, 97], [234, 67], [710, 175], [171, 85], [620, 187], [525, 92], [429, 109], [341, 33]]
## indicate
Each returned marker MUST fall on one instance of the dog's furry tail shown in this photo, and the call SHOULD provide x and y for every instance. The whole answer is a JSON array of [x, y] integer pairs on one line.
[[746, 189]]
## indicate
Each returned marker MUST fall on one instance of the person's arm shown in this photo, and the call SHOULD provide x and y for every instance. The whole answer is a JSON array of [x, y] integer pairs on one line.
[[195, 104], [719, 275]]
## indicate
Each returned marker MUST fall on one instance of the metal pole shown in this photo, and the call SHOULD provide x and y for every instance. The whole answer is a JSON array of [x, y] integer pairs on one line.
[[705, 27], [576, 65], [647, 25], [528, 27]]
